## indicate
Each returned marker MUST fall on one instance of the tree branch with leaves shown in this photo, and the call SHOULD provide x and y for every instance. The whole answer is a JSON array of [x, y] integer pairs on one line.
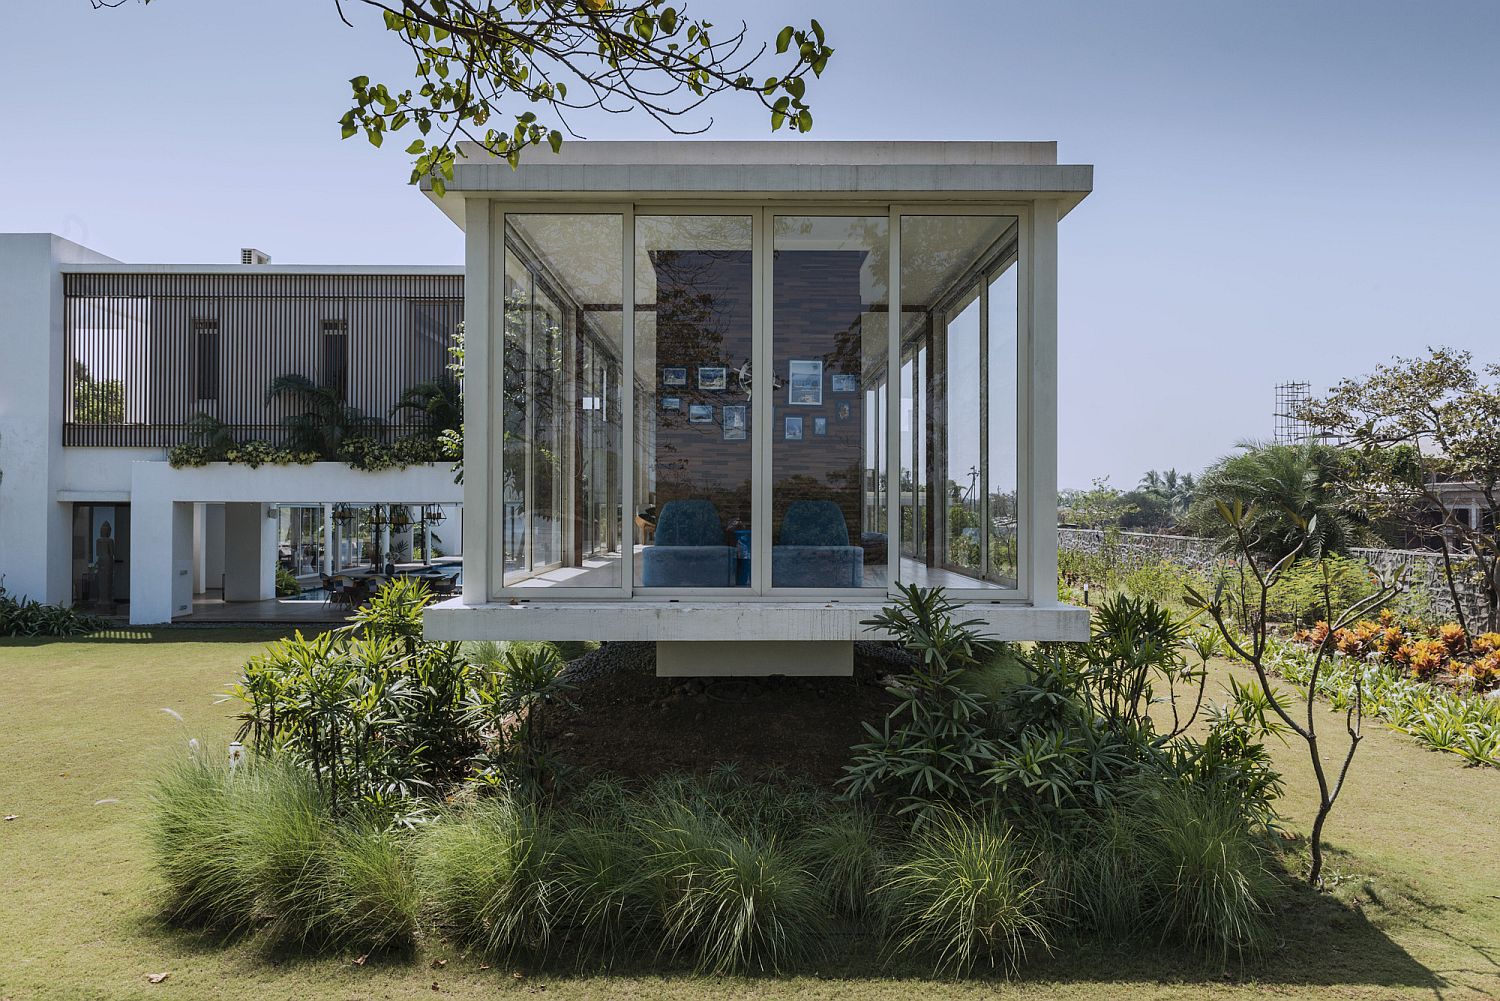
[[534, 65]]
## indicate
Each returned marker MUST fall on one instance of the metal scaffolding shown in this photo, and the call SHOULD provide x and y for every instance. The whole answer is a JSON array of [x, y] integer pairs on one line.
[[1290, 429]]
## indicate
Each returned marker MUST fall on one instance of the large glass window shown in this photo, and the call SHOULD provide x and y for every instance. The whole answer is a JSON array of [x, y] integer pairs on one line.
[[958, 421], [829, 346], [694, 345], [101, 558], [561, 357]]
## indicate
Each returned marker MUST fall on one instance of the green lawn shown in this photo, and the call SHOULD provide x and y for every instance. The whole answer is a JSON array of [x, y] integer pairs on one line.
[[1415, 910]]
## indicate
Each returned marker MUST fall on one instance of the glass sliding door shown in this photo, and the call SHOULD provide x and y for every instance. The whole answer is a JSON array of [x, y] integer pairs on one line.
[[829, 348], [959, 433], [101, 558], [562, 351], [693, 507]]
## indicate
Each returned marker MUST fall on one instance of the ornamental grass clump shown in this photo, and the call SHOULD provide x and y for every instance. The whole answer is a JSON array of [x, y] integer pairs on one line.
[[730, 897], [964, 893], [258, 849], [494, 878], [1204, 875]]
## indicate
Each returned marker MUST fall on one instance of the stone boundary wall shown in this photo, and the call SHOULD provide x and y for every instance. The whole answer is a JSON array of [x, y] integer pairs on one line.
[[1426, 571]]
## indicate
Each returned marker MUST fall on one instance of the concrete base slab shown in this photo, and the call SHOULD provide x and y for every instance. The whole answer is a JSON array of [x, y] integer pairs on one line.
[[754, 659]]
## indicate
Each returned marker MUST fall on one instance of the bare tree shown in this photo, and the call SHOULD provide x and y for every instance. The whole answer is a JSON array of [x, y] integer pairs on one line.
[[1256, 582]]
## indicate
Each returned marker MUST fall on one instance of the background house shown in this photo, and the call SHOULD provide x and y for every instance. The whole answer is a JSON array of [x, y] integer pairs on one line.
[[110, 365]]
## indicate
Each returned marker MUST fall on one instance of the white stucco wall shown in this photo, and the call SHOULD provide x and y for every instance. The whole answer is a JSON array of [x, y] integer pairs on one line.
[[35, 537]]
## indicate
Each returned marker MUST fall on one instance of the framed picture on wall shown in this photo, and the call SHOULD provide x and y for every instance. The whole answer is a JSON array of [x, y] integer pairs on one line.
[[700, 413], [674, 377], [671, 404], [734, 423], [845, 383], [843, 410], [805, 383], [794, 429], [712, 377], [820, 426]]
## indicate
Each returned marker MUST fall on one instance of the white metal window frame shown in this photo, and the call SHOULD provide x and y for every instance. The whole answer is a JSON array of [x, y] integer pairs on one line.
[[1025, 588], [1035, 287], [493, 504]]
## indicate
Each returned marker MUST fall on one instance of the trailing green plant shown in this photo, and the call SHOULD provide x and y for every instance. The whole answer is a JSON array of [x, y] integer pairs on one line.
[[21, 616], [964, 892]]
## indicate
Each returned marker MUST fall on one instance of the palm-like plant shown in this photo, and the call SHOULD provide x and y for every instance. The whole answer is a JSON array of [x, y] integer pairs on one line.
[[325, 421], [1285, 489], [1173, 488], [437, 406]]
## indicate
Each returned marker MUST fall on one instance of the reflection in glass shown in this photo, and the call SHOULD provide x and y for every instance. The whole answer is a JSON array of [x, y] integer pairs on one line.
[[830, 342], [958, 396], [694, 421], [561, 358]]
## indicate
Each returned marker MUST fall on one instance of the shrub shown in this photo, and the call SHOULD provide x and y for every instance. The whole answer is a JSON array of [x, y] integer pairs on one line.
[[1299, 593], [963, 893], [286, 582], [1161, 581], [25, 617]]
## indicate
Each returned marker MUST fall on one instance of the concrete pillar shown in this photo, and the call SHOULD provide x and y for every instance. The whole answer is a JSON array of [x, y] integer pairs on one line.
[[249, 552], [213, 545], [329, 541], [161, 560]]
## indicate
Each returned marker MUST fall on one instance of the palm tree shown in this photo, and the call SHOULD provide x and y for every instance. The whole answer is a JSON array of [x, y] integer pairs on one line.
[[1173, 489], [1286, 487], [436, 406], [325, 422]]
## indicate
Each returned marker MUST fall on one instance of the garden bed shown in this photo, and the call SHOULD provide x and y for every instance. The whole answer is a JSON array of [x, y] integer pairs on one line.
[[623, 720]]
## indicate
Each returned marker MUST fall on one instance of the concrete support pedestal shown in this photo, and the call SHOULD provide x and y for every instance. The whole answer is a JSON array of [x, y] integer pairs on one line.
[[754, 658]]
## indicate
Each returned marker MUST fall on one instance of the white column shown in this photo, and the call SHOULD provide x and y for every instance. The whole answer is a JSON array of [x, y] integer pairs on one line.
[[249, 552], [483, 272], [328, 539], [161, 559], [1041, 492]]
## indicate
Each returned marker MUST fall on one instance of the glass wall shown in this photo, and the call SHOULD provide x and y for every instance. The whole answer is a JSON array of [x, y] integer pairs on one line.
[[829, 344], [101, 558], [694, 345], [808, 488], [299, 539], [959, 472], [561, 357]]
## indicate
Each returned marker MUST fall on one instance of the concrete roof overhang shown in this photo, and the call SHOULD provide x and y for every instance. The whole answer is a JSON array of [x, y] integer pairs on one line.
[[822, 171]]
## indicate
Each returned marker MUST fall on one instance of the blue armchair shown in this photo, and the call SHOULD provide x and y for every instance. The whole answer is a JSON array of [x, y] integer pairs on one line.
[[813, 549], [689, 549]]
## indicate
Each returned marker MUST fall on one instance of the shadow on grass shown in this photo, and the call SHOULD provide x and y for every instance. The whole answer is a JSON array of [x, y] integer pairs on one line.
[[1319, 941], [267, 633]]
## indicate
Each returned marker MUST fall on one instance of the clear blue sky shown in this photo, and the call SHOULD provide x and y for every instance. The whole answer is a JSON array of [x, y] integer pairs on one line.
[[1283, 190]]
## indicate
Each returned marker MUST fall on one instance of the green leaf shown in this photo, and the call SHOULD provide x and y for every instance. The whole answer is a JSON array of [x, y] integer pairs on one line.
[[784, 39], [417, 146], [556, 140], [668, 19]]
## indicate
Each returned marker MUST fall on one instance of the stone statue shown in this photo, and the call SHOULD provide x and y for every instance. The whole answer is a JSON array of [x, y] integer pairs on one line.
[[104, 557]]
